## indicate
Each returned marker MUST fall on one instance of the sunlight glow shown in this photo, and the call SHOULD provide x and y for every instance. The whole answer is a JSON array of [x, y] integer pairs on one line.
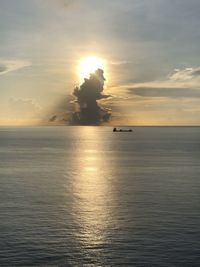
[[92, 189], [88, 65]]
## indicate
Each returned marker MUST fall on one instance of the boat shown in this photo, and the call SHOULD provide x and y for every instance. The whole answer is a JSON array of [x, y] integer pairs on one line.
[[122, 130]]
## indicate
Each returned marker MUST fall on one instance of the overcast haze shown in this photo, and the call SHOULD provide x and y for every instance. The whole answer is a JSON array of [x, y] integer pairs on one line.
[[151, 49]]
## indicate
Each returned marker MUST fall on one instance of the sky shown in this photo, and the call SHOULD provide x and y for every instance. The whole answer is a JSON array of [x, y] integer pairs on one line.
[[151, 50]]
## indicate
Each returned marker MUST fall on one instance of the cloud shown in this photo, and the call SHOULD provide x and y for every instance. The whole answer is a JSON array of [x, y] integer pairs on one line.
[[12, 65], [24, 107], [196, 72], [163, 101], [120, 62], [86, 106], [61, 112], [185, 74], [3, 68], [90, 111], [182, 83], [165, 92]]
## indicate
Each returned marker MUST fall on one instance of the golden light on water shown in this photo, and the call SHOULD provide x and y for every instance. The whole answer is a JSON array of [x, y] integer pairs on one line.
[[91, 190], [89, 65]]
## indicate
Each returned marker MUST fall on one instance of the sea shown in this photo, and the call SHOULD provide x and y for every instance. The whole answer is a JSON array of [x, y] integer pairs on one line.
[[87, 196]]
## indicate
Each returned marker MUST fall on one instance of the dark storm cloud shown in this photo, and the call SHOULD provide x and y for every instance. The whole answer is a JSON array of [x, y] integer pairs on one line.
[[88, 110], [165, 92], [83, 107]]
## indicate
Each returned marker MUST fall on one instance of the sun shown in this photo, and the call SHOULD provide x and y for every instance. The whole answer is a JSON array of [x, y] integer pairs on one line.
[[88, 65]]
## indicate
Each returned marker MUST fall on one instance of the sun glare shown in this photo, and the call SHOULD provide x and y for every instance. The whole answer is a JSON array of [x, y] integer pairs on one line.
[[89, 65]]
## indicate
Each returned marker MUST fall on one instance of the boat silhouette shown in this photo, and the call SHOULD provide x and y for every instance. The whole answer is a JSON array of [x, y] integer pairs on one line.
[[122, 130]]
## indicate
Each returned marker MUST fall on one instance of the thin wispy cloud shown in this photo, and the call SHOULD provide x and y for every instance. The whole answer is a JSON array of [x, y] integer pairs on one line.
[[12, 65], [119, 62]]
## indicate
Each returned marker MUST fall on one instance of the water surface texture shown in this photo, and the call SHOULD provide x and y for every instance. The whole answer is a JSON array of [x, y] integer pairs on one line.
[[85, 196]]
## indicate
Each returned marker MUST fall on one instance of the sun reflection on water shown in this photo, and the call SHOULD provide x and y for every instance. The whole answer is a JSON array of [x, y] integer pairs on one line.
[[91, 193]]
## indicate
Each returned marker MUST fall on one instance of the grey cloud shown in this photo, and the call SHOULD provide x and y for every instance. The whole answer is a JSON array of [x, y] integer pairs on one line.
[[165, 92], [88, 94], [3, 68], [84, 107], [196, 72]]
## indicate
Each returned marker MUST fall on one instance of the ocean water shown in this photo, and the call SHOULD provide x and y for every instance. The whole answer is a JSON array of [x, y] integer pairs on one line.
[[85, 196]]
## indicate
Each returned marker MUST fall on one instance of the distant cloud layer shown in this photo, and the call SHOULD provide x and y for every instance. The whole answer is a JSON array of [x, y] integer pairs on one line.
[[181, 83], [165, 92]]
